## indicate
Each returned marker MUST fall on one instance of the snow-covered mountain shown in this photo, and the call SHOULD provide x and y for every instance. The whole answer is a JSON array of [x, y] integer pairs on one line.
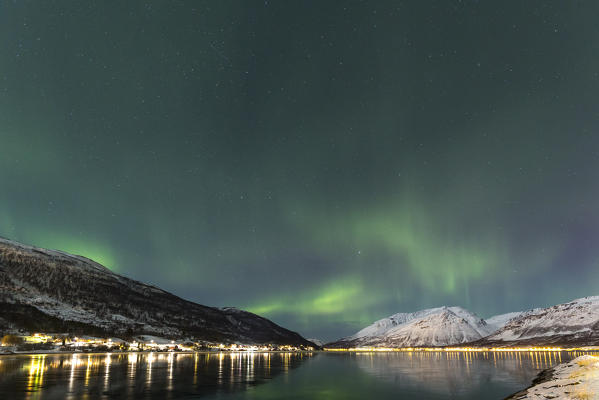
[[52, 291], [573, 323], [497, 322], [442, 326]]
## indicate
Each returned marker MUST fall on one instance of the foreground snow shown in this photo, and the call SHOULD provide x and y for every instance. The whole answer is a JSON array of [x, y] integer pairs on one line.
[[577, 379]]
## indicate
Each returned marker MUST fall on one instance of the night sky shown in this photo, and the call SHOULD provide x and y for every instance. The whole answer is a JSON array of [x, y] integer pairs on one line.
[[321, 163]]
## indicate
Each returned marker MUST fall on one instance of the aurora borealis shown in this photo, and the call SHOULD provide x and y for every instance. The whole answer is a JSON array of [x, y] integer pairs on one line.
[[324, 164]]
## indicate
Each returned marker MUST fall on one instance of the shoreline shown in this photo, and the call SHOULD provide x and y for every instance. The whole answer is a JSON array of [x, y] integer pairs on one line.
[[578, 378], [43, 352], [545, 375], [463, 349], [590, 349]]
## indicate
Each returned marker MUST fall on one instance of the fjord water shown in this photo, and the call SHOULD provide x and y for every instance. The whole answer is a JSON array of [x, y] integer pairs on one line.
[[231, 376]]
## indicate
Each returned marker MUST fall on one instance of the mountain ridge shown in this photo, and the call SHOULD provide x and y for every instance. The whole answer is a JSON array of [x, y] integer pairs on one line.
[[568, 324], [440, 326], [51, 289]]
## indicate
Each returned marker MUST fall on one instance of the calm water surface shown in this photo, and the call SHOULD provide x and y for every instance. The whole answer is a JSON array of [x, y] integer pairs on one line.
[[230, 376]]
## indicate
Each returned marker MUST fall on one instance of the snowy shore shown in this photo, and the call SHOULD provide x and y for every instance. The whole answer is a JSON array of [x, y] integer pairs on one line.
[[577, 379]]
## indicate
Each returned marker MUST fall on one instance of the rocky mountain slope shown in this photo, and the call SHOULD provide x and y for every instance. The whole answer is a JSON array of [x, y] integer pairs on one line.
[[443, 326], [573, 323], [52, 291]]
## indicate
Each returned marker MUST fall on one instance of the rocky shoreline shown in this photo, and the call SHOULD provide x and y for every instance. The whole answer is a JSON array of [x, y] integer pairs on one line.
[[544, 376], [578, 378]]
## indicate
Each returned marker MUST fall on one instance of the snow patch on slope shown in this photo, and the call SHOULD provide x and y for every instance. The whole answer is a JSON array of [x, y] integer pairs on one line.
[[497, 322]]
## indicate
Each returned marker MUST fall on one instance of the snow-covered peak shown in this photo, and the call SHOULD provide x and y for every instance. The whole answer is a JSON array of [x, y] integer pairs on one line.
[[438, 329], [476, 322], [381, 326], [440, 326], [575, 321]]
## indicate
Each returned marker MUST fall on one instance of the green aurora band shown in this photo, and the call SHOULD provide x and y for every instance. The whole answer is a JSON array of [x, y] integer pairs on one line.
[[322, 165]]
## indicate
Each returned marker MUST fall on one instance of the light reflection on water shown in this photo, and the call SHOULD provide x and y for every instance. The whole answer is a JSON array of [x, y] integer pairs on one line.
[[138, 375], [409, 375], [425, 375], [458, 374]]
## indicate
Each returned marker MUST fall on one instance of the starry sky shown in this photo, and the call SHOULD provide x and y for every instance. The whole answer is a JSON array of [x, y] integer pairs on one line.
[[321, 163]]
